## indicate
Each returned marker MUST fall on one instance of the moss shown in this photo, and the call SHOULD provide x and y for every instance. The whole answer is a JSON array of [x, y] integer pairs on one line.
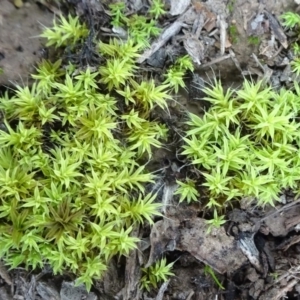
[[233, 33], [246, 145], [253, 40], [72, 188], [230, 6]]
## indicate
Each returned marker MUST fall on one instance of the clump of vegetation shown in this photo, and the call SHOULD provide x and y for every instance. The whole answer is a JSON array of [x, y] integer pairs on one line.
[[246, 145], [140, 28], [292, 21], [72, 188], [157, 9], [253, 40], [233, 33], [155, 274], [230, 6], [66, 33]]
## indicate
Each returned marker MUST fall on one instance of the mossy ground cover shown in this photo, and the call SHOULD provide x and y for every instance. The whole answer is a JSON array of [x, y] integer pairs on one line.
[[72, 185], [73, 147]]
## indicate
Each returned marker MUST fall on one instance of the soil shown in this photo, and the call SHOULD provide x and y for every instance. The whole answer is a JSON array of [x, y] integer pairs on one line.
[[256, 254]]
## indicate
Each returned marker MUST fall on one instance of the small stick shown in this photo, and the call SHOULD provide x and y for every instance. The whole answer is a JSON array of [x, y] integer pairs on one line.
[[222, 35], [162, 290], [287, 288], [216, 60], [169, 32]]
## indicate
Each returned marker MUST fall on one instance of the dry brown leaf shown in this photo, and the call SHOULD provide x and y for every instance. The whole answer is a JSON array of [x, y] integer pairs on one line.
[[219, 251]]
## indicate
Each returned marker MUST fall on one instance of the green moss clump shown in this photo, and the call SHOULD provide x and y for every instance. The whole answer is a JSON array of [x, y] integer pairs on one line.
[[253, 40], [72, 189], [233, 33], [291, 20], [247, 144]]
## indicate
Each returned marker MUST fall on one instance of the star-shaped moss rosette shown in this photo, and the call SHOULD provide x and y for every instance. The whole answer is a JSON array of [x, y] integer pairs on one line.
[[246, 144], [72, 188]]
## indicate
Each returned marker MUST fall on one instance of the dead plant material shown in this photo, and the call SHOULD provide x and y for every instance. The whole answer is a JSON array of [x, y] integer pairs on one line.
[[131, 290], [223, 26], [166, 35], [248, 247], [162, 289], [217, 250], [191, 294], [168, 193], [4, 273], [288, 243], [276, 293], [281, 221], [194, 47], [215, 61], [267, 72], [277, 29], [162, 234], [47, 291], [235, 60], [4, 294], [198, 16], [51, 7]]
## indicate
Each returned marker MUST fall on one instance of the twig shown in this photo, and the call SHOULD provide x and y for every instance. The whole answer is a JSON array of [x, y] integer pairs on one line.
[[216, 60], [162, 40], [4, 273], [280, 210], [222, 35], [191, 294], [286, 289], [235, 61], [162, 290], [169, 32]]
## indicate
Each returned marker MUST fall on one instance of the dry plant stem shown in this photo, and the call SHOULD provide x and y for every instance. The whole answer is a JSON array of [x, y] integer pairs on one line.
[[191, 294], [235, 61], [280, 210], [168, 193], [267, 72], [161, 41], [277, 29], [132, 274], [169, 32], [287, 288], [222, 35], [292, 222], [52, 8], [162, 289], [199, 23], [246, 19], [257, 61], [294, 240], [277, 52], [257, 225], [30, 293], [4, 274], [216, 60], [290, 273]]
